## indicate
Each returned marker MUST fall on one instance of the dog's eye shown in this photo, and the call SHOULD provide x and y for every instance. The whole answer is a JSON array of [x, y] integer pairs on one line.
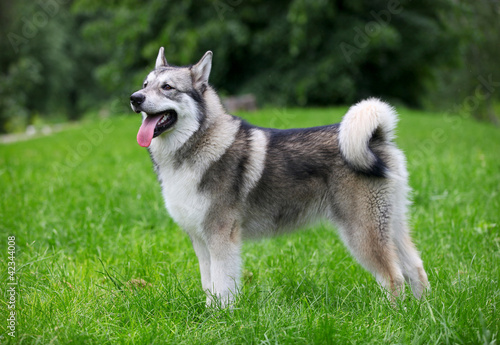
[[167, 87], [144, 85]]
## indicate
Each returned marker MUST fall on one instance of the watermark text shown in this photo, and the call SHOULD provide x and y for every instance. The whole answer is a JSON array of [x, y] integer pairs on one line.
[[11, 286]]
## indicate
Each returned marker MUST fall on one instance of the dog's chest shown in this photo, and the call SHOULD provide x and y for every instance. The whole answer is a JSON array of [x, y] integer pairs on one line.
[[184, 202]]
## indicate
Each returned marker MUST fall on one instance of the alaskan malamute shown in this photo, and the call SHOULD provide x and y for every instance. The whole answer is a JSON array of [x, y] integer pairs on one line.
[[225, 180]]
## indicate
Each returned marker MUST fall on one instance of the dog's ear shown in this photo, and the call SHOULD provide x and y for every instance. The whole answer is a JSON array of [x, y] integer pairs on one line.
[[201, 71], [160, 60]]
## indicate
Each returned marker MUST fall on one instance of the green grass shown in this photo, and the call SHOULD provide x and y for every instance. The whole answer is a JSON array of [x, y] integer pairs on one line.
[[87, 223]]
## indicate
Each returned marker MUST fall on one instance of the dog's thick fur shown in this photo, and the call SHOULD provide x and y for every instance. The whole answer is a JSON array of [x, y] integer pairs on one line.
[[224, 180]]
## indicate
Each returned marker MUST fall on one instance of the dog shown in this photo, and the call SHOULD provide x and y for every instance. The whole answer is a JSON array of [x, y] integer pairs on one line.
[[224, 180]]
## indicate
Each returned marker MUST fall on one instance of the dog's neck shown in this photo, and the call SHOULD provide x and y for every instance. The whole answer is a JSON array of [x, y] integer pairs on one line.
[[213, 106], [202, 142]]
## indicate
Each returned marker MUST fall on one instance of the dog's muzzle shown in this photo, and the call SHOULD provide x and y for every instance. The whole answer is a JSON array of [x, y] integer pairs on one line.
[[136, 100]]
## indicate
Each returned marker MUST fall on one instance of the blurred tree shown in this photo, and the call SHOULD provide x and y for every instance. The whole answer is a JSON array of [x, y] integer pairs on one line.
[[296, 53], [92, 54], [473, 87], [45, 64]]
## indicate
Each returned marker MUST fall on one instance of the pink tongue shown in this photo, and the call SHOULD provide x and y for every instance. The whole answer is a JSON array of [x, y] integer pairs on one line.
[[147, 130]]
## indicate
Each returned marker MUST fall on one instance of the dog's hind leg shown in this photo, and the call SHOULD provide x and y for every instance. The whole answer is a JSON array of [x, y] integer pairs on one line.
[[411, 264], [366, 229], [409, 258]]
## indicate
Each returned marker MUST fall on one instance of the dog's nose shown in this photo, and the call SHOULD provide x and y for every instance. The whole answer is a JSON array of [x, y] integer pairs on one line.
[[137, 99]]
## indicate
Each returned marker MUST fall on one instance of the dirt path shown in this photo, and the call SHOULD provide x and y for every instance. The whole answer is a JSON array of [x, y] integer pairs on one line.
[[32, 133]]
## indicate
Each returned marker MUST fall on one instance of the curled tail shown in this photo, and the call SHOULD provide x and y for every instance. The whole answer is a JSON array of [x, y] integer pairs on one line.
[[363, 133]]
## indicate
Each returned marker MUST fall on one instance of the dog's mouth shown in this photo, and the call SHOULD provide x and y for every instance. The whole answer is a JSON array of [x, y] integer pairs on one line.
[[154, 125]]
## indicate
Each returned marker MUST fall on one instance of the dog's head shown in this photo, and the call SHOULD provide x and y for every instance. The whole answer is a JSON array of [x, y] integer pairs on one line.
[[171, 97]]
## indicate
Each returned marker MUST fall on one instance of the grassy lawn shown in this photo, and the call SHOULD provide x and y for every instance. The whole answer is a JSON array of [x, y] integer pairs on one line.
[[88, 219]]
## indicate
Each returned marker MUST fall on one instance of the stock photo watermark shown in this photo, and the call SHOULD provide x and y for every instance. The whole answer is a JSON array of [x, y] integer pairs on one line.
[[31, 25], [484, 89], [455, 116], [222, 7], [76, 154], [281, 118], [11, 286], [371, 29]]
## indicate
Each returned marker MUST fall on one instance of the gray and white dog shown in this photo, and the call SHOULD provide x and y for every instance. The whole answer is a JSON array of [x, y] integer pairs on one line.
[[224, 180]]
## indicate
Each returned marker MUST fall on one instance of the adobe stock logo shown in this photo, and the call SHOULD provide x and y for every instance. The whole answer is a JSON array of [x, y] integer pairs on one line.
[[372, 29], [225, 6], [32, 25], [75, 154], [454, 119]]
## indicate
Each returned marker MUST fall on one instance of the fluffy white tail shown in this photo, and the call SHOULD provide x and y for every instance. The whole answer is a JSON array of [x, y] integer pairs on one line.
[[366, 125]]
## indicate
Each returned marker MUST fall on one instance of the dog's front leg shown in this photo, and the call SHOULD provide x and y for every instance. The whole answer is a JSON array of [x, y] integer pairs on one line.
[[201, 250], [225, 264]]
